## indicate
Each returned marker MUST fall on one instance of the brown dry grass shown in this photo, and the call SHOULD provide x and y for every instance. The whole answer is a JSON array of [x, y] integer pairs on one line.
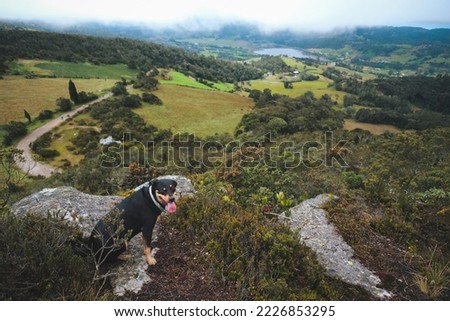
[[376, 129], [35, 95]]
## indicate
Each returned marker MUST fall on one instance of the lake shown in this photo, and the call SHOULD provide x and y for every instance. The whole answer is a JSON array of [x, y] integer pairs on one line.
[[290, 52]]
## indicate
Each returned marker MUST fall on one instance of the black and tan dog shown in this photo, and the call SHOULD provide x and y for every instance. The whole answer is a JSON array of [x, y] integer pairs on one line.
[[136, 213]]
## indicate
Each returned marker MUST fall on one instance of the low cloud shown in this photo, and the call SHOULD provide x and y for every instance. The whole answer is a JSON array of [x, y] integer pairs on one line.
[[295, 15]]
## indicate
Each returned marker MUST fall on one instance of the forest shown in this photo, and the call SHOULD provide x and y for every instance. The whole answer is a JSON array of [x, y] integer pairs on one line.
[[411, 102], [136, 54]]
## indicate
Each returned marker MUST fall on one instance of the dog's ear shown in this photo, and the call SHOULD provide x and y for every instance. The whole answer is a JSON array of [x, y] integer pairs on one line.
[[153, 182], [174, 183]]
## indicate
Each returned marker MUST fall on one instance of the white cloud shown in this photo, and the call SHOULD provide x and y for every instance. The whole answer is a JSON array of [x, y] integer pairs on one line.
[[293, 14]]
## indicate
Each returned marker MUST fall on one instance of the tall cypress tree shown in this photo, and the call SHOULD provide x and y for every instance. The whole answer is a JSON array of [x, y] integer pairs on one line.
[[27, 115], [73, 92]]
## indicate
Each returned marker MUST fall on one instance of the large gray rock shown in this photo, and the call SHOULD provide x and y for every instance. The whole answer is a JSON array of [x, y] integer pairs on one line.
[[333, 253], [84, 210], [75, 207]]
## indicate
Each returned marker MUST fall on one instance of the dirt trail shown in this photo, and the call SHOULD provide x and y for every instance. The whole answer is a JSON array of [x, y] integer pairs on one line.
[[30, 165]]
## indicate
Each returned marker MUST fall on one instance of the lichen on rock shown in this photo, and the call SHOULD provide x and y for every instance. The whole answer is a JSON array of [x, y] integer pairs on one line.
[[333, 253]]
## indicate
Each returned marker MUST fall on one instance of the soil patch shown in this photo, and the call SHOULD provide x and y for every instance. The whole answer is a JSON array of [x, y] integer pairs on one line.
[[181, 273]]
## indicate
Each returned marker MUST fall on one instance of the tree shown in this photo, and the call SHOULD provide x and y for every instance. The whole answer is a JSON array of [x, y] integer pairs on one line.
[[151, 99], [288, 85], [63, 104], [27, 115], [45, 114], [14, 129], [349, 101], [119, 89], [276, 124], [132, 101], [84, 97], [255, 94], [73, 92]]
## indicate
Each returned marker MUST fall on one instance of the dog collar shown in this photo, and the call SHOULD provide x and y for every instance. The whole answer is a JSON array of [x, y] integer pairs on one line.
[[155, 201]]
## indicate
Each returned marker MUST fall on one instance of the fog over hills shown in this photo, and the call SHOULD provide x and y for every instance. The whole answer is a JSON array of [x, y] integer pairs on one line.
[[199, 15], [336, 38]]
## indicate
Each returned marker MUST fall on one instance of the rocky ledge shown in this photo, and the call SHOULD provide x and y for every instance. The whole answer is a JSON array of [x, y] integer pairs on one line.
[[333, 253], [307, 218], [84, 210]]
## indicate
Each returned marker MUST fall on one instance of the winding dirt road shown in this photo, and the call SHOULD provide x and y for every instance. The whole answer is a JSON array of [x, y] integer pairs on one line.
[[33, 167]]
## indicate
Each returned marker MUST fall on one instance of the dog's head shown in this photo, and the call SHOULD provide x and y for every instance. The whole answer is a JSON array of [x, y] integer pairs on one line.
[[165, 193]]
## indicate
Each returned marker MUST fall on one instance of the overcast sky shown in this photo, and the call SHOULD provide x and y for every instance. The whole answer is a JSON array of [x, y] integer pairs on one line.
[[302, 15]]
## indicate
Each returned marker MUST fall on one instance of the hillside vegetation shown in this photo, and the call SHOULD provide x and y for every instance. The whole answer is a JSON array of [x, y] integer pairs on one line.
[[382, 50], [28, 44], [277, 139]]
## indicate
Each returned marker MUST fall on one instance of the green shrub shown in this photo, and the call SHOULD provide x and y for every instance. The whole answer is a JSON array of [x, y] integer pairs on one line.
[[39, 261], [396, 227], [14, 129], [45, 114], [151, 99], [259, 254], [48, 153], [353, 180], [41, 144], [132, 101]]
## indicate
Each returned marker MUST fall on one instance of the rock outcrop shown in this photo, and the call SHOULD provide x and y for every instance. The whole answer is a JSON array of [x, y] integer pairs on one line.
[[84, 210], [75, 207], [307, 218], [333, 253]]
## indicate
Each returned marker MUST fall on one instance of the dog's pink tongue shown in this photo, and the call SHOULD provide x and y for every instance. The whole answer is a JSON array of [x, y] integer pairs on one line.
[[171, 207]]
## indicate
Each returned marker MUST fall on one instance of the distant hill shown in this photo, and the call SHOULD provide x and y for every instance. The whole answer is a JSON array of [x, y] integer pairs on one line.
[[399, 49], [335, 39], [405, 35], [29, 44]]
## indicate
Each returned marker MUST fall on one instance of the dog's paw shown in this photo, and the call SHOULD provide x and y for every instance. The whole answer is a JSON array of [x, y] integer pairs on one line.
[[151, 260]]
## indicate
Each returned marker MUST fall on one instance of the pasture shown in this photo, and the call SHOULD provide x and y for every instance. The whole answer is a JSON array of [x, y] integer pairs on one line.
[[18, 93], [180, 79], [198, 111], [376, 129], [64, 135], [318, 87], [61, 69]]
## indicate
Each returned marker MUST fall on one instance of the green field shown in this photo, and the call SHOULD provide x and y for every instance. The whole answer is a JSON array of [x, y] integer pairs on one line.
[[65, 133], [180, 79], [35, 95], [203, 112], [222, 48], [319, 87], [43, 68]]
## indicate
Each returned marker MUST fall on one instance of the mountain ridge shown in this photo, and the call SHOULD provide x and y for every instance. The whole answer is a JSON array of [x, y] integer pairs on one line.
[[246, 31]]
